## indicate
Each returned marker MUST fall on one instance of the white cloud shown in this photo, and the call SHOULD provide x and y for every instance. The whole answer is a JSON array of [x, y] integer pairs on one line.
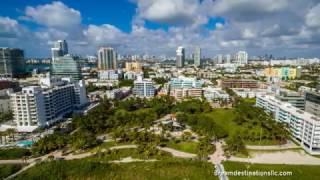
[[312, 18], [9, 28], [55, 15], [259, 26], [177, 12], [103, 34]]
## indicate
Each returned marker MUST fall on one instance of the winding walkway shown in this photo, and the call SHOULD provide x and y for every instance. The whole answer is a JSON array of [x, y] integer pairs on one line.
[[177, 153]]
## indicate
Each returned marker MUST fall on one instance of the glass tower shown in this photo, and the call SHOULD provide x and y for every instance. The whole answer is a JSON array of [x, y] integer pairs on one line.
[[12, 63], [66, 66]]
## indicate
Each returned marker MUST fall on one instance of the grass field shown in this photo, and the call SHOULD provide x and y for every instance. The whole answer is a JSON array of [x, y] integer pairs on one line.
[[86, 169], [189, 146], [225, 117], [8, 169], [14, 153], [299, 172]]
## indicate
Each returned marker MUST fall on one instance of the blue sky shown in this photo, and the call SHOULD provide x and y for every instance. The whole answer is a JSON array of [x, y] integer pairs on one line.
[[119, 12], [280, 27]]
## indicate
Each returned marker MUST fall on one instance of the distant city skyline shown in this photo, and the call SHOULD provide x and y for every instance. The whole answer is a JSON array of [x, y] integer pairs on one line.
[[158, 27]]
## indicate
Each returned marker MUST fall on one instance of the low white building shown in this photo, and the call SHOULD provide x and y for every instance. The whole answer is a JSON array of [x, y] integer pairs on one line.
[[118, 93], [213, 94], [130, 75], [108, 75], [303, 126], [249, 93]]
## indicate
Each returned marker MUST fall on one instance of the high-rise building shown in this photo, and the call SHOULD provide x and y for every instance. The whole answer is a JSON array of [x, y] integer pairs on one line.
[[180, 57], [40, 106], [12, 63], [55, 53], [63, 45], [60, 48], [107, 59], [66, 66], [241, 57], [197, 56], [143, 88], [219, 59], [227, 59]]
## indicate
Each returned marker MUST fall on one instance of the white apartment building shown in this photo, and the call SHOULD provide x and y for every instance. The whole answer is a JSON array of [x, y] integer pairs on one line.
[[41, 106], [303, 126], [143, 88]]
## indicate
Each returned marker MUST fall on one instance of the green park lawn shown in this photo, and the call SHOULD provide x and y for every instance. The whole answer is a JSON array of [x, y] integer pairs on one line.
[[185, 146], [224, 118], [14, 153], [8, 169], [174, 169], [299, 172]]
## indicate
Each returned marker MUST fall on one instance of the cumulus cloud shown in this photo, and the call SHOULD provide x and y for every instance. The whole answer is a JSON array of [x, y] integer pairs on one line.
[[312, 18], [247, 10], [56, 15], [177, 12], [9, 28], [281, 27]]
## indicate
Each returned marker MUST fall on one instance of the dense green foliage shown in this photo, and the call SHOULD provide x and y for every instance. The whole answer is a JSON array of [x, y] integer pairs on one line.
[[14, 153], [205, 148], [86, 169], [235, 145], [160, 80], [106, 117], [254, 119], [49, 143], [6, 116], [8, 169], [126, 82], [299, 172], [92, 88]]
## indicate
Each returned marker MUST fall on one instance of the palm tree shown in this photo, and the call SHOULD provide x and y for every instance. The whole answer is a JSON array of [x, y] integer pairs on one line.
[[1, 134], [4, 134], [11, 132]]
